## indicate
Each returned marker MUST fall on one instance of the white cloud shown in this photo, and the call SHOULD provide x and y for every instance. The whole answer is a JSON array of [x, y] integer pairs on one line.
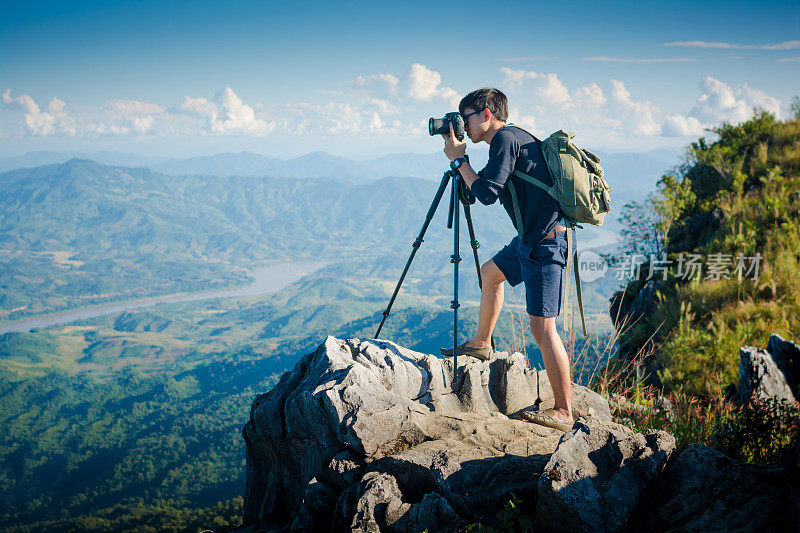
[[382, 86], [198, 106], [720, 102], [543, 100], [226, 114], [121, 117], [55, 120], [525, 121], [56, 105], [101, 128], [786, 45], [613, 113], [680, 126], [142, 125], [640, 115], [236, 116], [134, 107], [589, 96], [375, 122], [384, 106], [336, 118], [422, 84], [545, 87]]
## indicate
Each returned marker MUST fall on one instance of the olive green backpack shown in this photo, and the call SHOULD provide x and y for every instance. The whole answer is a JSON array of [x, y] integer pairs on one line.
[[578, 187]]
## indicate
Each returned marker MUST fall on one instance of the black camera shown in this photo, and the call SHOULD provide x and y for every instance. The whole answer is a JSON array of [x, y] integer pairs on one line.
[[439, 126]]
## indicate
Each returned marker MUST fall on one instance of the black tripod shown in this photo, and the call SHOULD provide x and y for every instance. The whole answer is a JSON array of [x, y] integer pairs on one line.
[[459, 193]]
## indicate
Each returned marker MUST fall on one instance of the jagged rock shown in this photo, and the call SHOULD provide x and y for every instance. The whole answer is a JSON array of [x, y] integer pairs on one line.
[[692, 232], [632, 305], [760, 377], [379, 506], [378, 502], [645, 299], [786, 355], [704, 490], [374, 427], [597, 475], [318, 501]]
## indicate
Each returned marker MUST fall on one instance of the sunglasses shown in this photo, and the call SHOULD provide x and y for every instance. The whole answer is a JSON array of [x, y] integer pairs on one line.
[[465, 117]]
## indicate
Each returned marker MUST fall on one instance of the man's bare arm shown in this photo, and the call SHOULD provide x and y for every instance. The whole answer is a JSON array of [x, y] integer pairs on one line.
[[468, 174]]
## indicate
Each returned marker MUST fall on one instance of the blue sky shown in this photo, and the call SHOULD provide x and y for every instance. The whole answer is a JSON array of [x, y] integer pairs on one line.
[[360, 79]]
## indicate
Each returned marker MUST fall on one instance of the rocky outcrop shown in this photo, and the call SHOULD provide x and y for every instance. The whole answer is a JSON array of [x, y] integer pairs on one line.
[[597, 476], [704, 490], [367, 434], [370, 436], [354, 407], [770, 373]]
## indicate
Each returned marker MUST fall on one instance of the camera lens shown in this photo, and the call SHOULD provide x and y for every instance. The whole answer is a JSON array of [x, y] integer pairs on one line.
[[436, 126]]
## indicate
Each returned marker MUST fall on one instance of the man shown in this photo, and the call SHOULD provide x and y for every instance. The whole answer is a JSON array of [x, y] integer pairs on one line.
[[536, 257]]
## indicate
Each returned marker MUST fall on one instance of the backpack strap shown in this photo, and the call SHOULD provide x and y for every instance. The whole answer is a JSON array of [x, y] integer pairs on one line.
[[570, 261], [515, 198], [530, 179], [517, 212]]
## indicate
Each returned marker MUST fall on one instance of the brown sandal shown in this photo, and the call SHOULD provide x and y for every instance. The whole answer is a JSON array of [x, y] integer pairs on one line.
[[484, 354], [545, 418]]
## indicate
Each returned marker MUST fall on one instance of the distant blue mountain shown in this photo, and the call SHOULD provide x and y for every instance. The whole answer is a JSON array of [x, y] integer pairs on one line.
[[312, 165], [41, 158], [631, 174]]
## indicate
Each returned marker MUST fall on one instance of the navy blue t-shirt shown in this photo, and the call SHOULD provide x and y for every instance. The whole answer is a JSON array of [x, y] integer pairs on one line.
[[513, 148]]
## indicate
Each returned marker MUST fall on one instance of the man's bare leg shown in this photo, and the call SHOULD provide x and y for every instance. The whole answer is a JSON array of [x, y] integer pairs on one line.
[[556, 363], [492, 294]]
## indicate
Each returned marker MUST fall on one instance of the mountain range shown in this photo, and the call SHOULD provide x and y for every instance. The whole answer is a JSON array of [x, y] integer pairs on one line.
[[639, 170]]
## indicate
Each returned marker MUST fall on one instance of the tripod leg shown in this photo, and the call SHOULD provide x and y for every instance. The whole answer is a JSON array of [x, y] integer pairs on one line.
[[415, 246], [475, 245], [455, 259]]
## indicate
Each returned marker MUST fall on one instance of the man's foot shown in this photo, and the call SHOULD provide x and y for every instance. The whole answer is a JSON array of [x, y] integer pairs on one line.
[[549, 418], [484, 353]]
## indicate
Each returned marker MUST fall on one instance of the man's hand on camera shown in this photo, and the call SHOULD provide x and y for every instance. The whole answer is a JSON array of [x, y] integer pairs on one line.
[[453, 148]]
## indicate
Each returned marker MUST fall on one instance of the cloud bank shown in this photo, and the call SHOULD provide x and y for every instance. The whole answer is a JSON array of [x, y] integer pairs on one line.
[[392, 105]]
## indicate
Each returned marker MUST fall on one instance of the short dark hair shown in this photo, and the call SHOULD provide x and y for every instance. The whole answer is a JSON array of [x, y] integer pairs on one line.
[[486, 98]]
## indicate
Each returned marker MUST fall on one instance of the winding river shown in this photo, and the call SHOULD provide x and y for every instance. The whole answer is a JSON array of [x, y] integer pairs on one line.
[[268, 279]]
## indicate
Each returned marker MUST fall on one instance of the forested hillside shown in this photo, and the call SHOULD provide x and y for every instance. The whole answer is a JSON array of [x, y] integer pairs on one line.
[[724, 234]]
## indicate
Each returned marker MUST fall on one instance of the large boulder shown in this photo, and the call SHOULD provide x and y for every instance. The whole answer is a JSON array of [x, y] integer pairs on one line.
[[597, 476], [786, 355], [367, 434], [760, 377], [705, 490]]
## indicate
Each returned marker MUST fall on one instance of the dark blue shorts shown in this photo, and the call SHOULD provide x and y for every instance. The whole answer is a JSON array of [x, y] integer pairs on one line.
[[541, 268]]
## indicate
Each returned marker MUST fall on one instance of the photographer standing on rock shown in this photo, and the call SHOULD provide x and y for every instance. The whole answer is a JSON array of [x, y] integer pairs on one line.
[[537, 256]]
